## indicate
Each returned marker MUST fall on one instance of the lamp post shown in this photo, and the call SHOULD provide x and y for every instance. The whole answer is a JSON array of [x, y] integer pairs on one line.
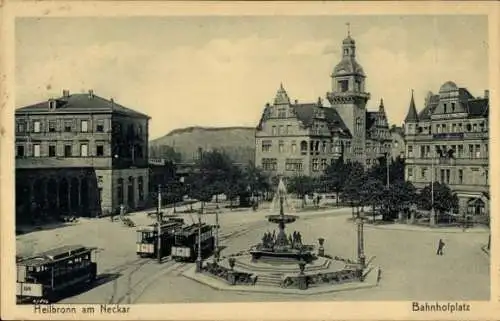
[[361, 251], [198, 259], [159, 221], [432, 219]]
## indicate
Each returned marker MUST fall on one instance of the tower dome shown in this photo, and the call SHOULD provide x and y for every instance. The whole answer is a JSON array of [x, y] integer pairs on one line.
[[348, 65], [448, 86]]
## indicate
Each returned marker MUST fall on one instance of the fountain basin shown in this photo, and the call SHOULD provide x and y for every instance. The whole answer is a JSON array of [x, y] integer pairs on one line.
[[282, 218]]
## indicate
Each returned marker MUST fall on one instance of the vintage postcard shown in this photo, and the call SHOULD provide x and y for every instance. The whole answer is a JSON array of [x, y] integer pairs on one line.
[[249, 160]]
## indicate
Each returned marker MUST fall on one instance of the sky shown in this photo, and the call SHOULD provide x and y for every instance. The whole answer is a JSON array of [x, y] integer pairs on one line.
[[221, 71]]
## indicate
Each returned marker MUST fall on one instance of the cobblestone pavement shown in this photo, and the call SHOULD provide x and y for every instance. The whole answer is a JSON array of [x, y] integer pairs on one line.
[[410, 268]]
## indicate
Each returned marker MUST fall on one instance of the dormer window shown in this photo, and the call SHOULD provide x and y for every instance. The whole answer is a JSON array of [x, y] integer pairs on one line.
[[52, 104], [343, 85], [445, 107]]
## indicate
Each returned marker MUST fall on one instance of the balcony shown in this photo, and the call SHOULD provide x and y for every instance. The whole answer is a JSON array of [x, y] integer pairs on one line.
[[460, 136], [448, 161], [62, 162]]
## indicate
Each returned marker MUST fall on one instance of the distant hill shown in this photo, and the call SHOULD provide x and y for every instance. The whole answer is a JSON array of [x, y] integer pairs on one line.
[[237, 142]]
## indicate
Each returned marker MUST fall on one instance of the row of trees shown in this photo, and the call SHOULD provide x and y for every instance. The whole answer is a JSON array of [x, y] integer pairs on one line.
[[215, 174], [389, 194]]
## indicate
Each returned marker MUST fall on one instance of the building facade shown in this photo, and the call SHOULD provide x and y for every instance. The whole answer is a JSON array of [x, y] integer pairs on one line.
[[80, 154], [295, 138], [398, 144], [448, 142]]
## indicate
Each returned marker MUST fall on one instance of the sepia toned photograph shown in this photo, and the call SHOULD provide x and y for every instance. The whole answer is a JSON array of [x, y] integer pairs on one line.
[[250, 159]]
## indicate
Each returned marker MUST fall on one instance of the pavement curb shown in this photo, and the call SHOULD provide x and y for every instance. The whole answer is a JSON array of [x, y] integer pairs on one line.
[[370, 282], [402, 227]]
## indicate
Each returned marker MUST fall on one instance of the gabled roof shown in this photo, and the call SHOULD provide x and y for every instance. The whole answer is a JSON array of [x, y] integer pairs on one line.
[[478, 107], [78, 104], [371, 119], [307, 112]]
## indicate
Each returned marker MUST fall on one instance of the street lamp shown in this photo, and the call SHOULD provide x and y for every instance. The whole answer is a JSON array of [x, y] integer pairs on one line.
[[159, 221], [198, 259], [361, 251]]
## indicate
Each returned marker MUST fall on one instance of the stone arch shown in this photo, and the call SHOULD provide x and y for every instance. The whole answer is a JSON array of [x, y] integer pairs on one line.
[[84, 196], [52, 195], [64, 195], [74, 194], [130, 192]]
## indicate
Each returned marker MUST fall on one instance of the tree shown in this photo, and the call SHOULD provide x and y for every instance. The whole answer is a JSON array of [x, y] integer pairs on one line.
[[165, 152], [352, 190], [256, 179], [302, 186], [396, 198], [372, 194], [396, 170], [444, 199], [335, 177]]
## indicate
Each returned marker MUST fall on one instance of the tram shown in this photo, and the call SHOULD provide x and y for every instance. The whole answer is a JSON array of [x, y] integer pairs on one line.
[[45, 277], [147, 238], [185, 246]]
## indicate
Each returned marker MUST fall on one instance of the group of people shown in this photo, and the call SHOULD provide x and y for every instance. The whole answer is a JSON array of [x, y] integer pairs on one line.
[[269, 240]]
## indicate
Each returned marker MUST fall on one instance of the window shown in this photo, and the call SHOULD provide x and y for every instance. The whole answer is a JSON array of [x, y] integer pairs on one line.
[[343, 85], [454, 128], [471, 151], [368, 161], [84, 150], [99, 128], [474, 127], [67, 126], [281, 113], [460, 176], [452, 107], [68, 151], [281, 130], [324, 164], [486, 176], [448, 176], [36, 127], [423, 173], [294, 147], [266, 146], [52, 151], [410, 173], [36, 150], [288, 129], [396, 144], [84, 126], [20, 127], [281, 147], [140, 154], [442, 176], [293, 165], [20, 151], [422, 151], [269, 164], [52, 126], [315, 164], [100, 150], [478, 151], [303, 147], [410, 151], [460, 151], [445, 107], [359, 125], [274, 131]]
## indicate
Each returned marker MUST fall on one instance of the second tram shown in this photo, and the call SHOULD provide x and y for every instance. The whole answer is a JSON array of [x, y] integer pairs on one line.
[[46, 276], [147, 238], [185, 246]]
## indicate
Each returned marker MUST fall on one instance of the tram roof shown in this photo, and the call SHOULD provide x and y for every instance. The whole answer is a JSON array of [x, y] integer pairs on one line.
[[153, 227], [193, 228], [56, 254]]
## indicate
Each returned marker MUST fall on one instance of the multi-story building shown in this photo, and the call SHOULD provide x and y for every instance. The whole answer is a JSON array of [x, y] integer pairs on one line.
[[81, 154], [398, 144], [448, 142], [303, 138]]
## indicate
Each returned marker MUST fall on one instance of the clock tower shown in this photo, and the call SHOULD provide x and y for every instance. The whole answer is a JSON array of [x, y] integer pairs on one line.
[[349, 98]]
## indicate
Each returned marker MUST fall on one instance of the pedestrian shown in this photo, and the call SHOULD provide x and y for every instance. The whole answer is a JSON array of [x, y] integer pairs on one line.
[[440, 247], [274, 235], [299, 238]]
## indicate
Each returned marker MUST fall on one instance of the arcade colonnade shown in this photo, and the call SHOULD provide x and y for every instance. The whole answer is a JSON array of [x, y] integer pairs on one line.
[[79, 192]]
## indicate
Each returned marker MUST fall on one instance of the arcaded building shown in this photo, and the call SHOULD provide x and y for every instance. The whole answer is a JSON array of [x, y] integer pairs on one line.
[[295, 138], [450, 135], [80, 154]]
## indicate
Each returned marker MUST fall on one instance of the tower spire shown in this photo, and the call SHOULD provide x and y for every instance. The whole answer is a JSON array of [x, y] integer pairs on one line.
[[412, 115], [348, 24]]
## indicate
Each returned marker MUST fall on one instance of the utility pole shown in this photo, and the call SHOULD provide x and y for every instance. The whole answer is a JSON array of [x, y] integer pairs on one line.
[[217, 235], [387, 167], [159, 221], [432, 219], [198, 259], [361, 247]]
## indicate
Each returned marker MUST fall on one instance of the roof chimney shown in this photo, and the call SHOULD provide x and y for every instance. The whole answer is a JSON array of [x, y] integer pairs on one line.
[[320, 102], [65, 93], [487, 94], [52, 104], [91, 94], [296, 101]]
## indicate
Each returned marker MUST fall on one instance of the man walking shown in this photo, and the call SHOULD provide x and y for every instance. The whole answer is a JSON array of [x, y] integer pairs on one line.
[[440, 247]]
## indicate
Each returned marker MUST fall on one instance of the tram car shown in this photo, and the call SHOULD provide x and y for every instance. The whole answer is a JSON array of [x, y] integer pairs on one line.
[[147, 238], [185, 246], [50, 275]]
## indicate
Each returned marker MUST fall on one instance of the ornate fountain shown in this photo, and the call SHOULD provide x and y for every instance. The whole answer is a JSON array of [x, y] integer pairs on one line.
[[288, 249]]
